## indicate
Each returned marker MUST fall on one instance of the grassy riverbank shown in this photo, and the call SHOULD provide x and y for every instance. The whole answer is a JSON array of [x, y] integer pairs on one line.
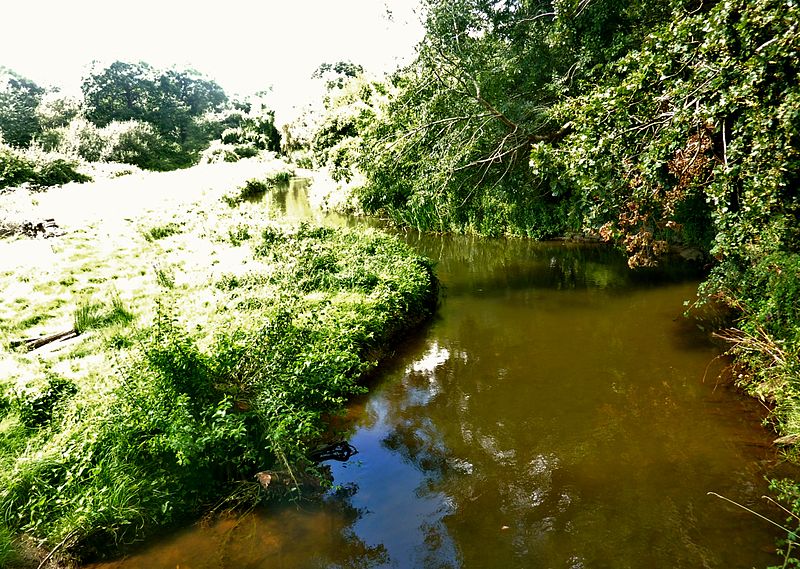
[[211, 343]]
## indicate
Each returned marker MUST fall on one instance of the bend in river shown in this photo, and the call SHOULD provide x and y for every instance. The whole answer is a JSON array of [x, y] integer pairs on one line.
[[558, 412]]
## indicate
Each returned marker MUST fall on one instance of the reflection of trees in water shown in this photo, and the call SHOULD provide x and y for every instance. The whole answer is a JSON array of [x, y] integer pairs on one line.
[[614, 476], [469, 263]]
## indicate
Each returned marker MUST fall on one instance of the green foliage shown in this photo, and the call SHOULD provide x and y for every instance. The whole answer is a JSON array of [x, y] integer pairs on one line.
[[167, 99], [238, 234], [131, 142], [37, 168], [35, 402], [161, 231], [164, 277], [337, 74], [188, 414], [89, 315], [255, 187], [350, 108], [140, 144], [55, 111], [19, 98], [457, 132], [160, 115], [7, 551]]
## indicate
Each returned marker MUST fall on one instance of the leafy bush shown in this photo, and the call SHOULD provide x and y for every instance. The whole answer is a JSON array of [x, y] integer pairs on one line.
[[219, 152], [34, 403], [255, 187], [37, 168], [77, 138]]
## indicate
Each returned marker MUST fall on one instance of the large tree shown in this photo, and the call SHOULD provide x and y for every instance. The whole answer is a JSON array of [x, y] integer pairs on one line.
[[454, 144], [169, 100], [19, 98]]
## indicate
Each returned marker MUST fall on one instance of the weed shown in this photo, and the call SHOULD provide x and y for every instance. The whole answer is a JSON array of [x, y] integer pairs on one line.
[[162, 231], [238, 234], [89, 315], [164, 277], [7, 552]]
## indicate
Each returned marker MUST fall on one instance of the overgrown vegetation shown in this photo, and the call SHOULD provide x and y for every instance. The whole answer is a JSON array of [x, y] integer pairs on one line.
[[652, 125], [39, 169], [135, 114], [174, 396], [256, 187]]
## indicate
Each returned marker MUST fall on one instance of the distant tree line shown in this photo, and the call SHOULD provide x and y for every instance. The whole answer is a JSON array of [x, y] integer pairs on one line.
[[157, 119]]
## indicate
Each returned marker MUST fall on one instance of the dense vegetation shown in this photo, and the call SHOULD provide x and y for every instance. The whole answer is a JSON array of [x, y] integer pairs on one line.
[[129, 113], [653, 125], [229, 341]]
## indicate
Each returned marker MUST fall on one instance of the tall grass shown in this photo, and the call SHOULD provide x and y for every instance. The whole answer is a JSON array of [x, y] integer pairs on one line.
[[91, 314], [189, 412], [7, 552]]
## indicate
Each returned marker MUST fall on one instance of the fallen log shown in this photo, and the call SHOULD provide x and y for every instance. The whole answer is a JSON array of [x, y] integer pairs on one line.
[[34, 343]]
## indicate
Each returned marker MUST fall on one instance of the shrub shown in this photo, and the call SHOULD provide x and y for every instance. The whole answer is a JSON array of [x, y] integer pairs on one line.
[[35, 402], [255, 187], [140, 144], [38, 168]]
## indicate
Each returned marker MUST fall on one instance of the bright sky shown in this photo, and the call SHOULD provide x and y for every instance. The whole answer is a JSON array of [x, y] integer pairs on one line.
[[245, 45]]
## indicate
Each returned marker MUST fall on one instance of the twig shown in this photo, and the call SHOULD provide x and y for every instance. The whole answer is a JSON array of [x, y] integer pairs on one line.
[[56, 548], [795, 516], [745, 508]]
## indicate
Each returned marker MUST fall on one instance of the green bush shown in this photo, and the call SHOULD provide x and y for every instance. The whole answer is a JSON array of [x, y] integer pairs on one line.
[[140, 144], [254, 187], [15, 168], [34, 403], [37, 168], [161, 231]]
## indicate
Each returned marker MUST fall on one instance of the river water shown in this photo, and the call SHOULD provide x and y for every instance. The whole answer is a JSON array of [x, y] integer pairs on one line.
[[558, 412]]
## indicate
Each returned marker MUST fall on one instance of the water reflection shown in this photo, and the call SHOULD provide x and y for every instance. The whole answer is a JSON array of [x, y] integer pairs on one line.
[[552, 415]]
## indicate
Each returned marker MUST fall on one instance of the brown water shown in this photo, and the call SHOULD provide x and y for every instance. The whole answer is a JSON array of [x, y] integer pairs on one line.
[[559, 412]]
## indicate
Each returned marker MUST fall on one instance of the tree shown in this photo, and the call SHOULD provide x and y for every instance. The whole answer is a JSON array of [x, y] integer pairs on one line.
[[19, 98], [455, 142], [120, 92], [169, 100], [337, 74]]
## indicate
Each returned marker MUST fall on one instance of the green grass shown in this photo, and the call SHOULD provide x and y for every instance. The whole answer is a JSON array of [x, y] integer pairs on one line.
[[7, 552], [89, 314], [247, 333], [162, 231]]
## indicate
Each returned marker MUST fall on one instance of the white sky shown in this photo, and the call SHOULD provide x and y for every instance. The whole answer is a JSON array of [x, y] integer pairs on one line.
[[245, 45]]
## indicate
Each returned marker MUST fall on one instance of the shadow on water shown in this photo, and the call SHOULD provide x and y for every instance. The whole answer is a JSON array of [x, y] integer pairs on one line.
[[554, 415]]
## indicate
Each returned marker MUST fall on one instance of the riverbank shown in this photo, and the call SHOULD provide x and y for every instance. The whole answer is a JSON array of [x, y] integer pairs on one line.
[[205, 344]]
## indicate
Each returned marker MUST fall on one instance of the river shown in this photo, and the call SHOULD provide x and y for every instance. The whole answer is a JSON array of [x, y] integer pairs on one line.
[[558, 412]]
